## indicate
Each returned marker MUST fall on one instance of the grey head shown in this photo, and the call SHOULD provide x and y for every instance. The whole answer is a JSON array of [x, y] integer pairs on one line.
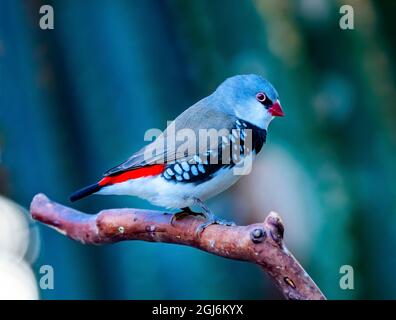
[[248, 97]]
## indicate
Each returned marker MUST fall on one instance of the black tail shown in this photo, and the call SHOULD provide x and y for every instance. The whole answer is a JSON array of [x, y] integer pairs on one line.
[[85, 192]]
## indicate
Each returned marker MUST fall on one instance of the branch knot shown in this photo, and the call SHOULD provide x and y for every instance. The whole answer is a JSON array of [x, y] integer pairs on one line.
[[258, 235]]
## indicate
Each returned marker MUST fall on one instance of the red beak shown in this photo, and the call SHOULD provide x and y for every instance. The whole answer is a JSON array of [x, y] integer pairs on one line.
[[276, 109]]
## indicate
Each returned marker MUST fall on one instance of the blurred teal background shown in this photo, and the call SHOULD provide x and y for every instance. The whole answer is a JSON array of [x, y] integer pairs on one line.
[[76, 100]]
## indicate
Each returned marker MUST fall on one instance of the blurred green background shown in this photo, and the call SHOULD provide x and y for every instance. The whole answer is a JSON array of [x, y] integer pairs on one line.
[[76, 100]]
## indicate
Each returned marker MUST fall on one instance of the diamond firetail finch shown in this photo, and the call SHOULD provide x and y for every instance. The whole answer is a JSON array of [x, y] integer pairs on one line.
[[175, 173]]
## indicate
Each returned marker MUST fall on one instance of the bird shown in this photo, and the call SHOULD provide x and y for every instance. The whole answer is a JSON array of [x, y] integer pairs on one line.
[[179, 173]]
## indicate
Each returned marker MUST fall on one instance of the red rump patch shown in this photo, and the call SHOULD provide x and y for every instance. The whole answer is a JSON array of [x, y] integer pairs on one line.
[[151, 170]]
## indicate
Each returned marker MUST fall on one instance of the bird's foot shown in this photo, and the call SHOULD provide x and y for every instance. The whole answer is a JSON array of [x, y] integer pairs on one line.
[[212, 219], [184, 213]]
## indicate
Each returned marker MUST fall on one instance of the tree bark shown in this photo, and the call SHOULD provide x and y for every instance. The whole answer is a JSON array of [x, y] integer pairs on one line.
[[259, 243]]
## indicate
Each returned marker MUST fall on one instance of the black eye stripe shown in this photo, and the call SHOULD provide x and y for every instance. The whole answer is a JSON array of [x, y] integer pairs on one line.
[[268, 102]]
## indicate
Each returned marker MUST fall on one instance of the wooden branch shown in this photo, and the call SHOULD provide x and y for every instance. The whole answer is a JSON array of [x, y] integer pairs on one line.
[[260, 243]]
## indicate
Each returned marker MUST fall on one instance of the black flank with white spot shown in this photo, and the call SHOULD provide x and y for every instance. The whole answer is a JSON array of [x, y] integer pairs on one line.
[[201, 168]]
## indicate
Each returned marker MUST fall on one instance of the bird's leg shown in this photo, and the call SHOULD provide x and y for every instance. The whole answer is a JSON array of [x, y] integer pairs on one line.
[[184, 213], [210, 218]]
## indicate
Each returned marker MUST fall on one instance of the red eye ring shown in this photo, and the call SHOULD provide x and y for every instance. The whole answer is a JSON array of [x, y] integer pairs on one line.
[[261, 97]]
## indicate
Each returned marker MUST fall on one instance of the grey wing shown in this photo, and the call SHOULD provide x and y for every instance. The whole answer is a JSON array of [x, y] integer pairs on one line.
[[135, 161], [170, 145]]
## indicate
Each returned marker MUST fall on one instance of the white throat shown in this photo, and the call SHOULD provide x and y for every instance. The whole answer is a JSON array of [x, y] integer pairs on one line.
[[255, 113]]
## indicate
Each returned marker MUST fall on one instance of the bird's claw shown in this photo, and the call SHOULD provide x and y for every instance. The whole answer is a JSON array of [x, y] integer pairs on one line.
[[207, 214], [213, 220], [180, 215]]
